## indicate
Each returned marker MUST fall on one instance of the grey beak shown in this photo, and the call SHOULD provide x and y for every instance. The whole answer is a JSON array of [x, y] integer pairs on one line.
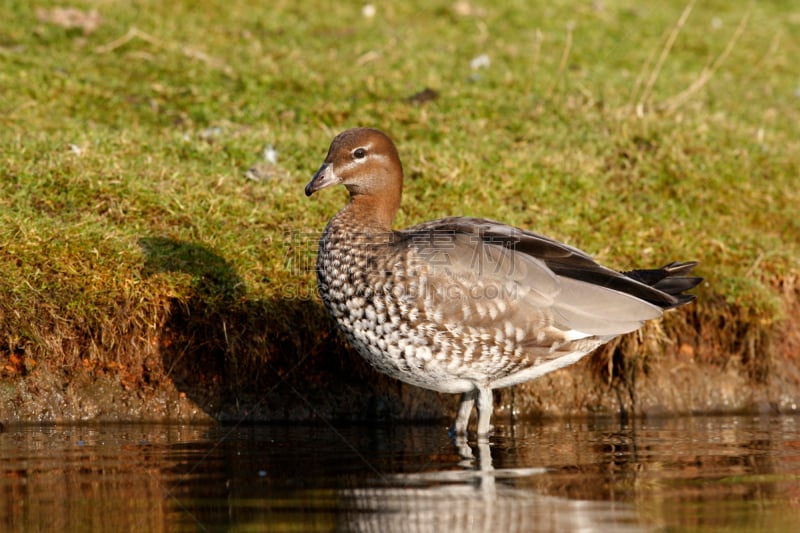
[[324, 177]]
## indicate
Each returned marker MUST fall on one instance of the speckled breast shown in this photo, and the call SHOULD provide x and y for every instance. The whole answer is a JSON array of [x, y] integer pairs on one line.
[[367, 313], [367, 289]]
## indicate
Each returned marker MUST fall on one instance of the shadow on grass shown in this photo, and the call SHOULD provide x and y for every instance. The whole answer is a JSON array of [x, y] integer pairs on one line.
[[211, 273], [243, 358]]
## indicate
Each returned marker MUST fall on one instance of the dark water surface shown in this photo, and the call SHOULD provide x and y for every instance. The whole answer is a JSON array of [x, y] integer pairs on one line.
[[684, 474]]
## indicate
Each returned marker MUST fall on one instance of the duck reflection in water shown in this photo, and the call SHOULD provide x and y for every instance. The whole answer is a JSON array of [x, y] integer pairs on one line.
[[477, 497]]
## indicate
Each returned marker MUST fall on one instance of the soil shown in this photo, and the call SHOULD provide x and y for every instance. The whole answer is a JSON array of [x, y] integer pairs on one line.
[[708, 357]]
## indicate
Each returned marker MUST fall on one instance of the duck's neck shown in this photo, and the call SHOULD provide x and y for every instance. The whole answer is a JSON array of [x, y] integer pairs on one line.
[[372, 212]]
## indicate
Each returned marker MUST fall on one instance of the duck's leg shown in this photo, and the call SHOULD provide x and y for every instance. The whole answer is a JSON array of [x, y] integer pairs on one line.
[[485, 409], [464, 412]]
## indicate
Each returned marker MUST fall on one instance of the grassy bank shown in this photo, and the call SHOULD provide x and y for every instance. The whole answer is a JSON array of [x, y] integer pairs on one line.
[[156, 262]]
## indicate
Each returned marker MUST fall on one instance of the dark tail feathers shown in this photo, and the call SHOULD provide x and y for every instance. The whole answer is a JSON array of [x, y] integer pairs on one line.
[[671, 279]]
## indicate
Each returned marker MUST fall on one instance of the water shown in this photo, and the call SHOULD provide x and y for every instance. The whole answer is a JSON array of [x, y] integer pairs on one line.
[[684, 474]]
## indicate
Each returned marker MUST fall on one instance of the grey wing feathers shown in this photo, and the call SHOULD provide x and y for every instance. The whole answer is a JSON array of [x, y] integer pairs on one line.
[[540, 278], [663, 287]]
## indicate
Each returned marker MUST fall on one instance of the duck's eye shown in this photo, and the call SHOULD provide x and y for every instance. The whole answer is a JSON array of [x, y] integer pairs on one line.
[[359, 153]]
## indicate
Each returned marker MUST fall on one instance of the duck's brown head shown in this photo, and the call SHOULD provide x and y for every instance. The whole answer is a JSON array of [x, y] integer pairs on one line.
[[365, 161]]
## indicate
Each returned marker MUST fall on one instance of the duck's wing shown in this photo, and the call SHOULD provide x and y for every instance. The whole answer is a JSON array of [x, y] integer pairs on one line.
[[478, 272], [663, 286]]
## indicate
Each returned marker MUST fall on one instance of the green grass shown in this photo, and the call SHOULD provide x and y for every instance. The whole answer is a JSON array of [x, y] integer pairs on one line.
[[123, 199]]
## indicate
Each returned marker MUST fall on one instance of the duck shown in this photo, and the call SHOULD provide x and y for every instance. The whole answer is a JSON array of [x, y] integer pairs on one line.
[[466, 305]]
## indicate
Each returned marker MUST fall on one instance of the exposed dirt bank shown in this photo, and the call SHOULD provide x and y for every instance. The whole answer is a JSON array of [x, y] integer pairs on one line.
[[240, 362]]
